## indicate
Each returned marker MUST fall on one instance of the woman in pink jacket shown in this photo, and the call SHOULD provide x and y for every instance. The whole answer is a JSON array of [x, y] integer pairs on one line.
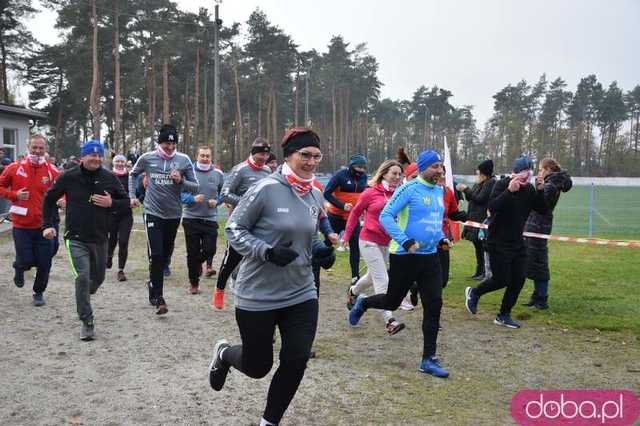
[[374, 241]]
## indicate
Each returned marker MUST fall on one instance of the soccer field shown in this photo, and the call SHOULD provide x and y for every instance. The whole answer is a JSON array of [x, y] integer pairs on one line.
[[615, 212]]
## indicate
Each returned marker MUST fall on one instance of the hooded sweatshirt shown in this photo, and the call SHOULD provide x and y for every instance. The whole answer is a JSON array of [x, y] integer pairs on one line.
[[370, 203], [162, 196], [271, 213]]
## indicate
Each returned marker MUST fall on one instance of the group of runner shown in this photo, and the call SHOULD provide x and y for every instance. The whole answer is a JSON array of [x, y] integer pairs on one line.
[[400, 218]]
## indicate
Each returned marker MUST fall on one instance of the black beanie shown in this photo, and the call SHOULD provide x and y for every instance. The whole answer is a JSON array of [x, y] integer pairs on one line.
[[168, 133], [299, 138], [486, 168], [260, 145]]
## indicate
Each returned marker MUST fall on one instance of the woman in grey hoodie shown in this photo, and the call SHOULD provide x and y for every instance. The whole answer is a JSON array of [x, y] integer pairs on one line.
[[275, 228]]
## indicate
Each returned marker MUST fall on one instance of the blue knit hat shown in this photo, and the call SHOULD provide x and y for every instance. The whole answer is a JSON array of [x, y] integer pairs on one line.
[[427, 158], [522, 163], [92, 147], [358, 160]]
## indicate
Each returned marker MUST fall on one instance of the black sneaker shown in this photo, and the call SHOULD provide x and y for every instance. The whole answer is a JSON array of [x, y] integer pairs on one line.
[[18, 278], [394, 326], [471, 300], [109, 262], [166, 271], [161, 306], [506, 321], [218, 369]]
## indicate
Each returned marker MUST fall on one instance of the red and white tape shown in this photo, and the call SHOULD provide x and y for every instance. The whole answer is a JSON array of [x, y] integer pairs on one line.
[[593, 241]]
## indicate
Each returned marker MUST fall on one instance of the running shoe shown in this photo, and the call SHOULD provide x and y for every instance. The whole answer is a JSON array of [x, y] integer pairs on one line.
[[161, 306], [87, 332], [166, 271], [38, 299], [218, 299], [152, 300], [210, 272], [351, 299], [195, 289], [506, 321], [394, 326], [18, 278], [357, 311], [218, 369], [432, 366], [471, 300], [121, 276], [406, 305]]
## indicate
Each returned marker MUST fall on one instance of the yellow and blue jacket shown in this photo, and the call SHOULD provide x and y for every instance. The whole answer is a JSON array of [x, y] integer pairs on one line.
[[414, 212]]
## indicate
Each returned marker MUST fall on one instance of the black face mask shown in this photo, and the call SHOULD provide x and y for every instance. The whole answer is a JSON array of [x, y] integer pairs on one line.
[[357, 172]]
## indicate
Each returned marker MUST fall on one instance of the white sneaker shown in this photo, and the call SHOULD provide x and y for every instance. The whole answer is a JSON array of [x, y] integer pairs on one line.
[[341, 248], [406, 305]]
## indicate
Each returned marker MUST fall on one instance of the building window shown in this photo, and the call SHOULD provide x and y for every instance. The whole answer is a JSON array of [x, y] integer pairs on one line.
[[8, 145]]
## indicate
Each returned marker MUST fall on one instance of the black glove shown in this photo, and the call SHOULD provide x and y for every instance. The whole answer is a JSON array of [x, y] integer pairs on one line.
[[281, 255], [324, 256], [407, 244]]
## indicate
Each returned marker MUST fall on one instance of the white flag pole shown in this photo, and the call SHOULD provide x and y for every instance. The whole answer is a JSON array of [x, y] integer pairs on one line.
[[447, 165]]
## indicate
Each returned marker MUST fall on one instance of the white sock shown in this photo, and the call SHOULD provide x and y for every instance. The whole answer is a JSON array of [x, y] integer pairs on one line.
[[263, 422]]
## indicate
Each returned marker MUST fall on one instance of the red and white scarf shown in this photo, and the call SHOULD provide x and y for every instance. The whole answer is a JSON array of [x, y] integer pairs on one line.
[[300, 185], [163, 154], [36, 160], [255, 166]]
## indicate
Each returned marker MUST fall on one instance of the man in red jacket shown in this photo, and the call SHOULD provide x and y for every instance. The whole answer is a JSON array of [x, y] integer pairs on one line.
[[24, 183]]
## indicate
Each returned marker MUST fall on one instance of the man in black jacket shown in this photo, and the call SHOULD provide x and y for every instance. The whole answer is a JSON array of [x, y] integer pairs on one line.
[[92, 194], [510, 203]]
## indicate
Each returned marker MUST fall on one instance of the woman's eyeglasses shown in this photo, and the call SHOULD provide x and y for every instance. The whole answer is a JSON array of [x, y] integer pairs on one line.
[[307, 156]]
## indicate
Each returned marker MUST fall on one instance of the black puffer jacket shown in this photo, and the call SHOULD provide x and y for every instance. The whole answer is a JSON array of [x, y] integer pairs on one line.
[[478, 198], [537, 251]]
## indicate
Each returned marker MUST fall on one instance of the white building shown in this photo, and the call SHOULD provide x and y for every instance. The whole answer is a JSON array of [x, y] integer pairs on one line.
[[15, 122]]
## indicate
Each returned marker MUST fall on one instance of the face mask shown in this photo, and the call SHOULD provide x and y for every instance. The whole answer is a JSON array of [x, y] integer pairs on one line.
[[203, 166]]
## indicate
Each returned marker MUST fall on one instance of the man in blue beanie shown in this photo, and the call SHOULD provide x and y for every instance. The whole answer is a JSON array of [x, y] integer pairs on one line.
[[510, 203], [92, 194], [342, 192], [413, 254]]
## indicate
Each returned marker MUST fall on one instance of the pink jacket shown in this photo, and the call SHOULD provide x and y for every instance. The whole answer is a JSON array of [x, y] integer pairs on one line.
[[370, 203]]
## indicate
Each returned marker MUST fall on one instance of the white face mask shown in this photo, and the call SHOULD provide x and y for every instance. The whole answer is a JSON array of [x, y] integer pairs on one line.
[[203, 166]]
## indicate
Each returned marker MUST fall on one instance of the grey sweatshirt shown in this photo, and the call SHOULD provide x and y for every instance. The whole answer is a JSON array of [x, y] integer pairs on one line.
[[162, 196], [269, 214], [240, 179], [210, 185]]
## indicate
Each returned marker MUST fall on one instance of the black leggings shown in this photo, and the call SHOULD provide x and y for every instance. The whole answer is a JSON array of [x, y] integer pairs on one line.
[[161, 237], [200, 237], [338, 225], [119, 236], [297, 325], [231, 260], [443, 255], [404, 270], [508, 267], [478, 245]]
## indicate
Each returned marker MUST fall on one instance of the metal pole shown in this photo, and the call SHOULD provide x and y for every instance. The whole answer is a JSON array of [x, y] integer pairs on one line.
[[591, 201], [216, 89]]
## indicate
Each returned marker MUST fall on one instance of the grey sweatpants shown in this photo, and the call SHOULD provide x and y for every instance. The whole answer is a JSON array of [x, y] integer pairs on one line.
[[88, 263]]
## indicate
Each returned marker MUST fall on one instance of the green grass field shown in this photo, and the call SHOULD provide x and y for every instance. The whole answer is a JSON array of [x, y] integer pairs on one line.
[[614, 216], [591, 287]]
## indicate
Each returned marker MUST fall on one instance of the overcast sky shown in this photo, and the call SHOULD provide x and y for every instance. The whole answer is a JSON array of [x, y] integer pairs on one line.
[[472, 47]]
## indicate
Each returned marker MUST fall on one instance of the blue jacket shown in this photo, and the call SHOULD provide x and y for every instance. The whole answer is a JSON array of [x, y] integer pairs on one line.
[[419, 209], [344, 187]]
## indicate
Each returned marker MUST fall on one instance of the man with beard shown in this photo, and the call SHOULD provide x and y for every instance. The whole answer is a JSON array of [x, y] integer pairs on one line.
[[413, 219], [92, 194]]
